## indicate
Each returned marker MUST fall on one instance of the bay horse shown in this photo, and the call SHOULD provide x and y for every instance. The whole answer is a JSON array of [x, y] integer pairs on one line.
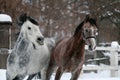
[[68, 54], [30, 54]]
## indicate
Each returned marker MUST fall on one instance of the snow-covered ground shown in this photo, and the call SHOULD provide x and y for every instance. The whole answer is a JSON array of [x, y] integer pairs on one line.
[[102, 75]]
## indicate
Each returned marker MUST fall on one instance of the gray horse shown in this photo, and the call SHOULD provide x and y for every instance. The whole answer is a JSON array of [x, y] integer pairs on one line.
[[51, 44], [30, 54]]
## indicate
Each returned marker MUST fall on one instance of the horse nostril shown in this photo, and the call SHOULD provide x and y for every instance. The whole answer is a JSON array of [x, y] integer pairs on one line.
[[40, 38], [90, 47]]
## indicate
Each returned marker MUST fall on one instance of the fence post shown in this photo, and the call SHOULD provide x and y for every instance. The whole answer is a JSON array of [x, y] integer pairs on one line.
[[114, 63]]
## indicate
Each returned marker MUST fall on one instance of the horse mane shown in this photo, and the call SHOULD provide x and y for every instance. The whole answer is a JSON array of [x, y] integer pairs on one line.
[[33, 20], [92, 21], [79, 27], [24, 17]]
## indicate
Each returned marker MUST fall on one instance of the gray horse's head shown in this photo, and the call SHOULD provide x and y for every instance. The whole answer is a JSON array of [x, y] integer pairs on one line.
[[30, 30]]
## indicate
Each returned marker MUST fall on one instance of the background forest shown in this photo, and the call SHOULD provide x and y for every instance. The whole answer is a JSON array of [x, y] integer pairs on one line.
[[59, 18]]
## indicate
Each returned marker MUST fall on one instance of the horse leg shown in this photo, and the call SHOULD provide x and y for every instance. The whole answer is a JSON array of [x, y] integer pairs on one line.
[[30, 77], [50, 69], [49, 72], [43, 73], [16, 78], [39, 75], [33, 75], [58, 73], [75, 74], [10, 75], [19, 77]]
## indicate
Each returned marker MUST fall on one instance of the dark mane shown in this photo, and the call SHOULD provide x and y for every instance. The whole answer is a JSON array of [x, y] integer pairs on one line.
[[32, 20], [92, 21], [79, 27], [25, 17]]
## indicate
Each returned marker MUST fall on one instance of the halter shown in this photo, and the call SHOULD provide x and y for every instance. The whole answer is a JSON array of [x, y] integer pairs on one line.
[[85, 38], [89, 37]]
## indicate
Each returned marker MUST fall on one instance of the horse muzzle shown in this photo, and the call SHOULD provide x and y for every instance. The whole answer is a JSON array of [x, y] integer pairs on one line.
[[91, 48], [40, 40], [91, 44]]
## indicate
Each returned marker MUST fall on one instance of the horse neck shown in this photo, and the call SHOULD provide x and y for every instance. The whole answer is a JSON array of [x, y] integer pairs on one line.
[[78, 42], [76, 46]]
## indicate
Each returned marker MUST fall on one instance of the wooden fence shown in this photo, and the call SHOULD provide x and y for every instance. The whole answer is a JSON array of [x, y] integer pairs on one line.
[[114, 58], [3, 57]]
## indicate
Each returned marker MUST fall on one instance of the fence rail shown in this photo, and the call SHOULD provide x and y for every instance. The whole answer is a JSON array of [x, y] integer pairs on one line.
[[114, 58], [101, 67]]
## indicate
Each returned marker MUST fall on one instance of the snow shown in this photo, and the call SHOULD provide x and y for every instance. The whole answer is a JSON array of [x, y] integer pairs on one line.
[[101, 75], [5, 18], [115, 44], [117, 10], [109, 13]]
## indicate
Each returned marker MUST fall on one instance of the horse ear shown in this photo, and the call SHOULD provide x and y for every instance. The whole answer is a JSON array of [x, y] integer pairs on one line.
[[23, 17], [87, 18]]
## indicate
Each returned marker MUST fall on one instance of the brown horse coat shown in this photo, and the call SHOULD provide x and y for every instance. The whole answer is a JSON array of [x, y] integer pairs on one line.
[[68, 53]]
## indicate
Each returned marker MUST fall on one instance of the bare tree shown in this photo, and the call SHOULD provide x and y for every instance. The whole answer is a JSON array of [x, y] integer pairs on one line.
[[60, 17]]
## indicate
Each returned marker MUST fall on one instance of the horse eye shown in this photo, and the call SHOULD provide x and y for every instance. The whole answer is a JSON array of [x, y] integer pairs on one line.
[[86, 30], [29, 28]]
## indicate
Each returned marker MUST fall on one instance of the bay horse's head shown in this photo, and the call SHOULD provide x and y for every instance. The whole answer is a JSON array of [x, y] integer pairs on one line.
[[30, 30], [90, 32]]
